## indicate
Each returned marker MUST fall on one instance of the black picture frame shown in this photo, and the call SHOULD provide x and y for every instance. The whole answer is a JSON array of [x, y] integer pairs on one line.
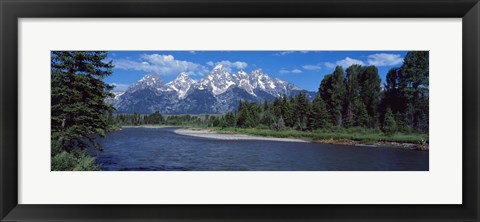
[[11, 11]]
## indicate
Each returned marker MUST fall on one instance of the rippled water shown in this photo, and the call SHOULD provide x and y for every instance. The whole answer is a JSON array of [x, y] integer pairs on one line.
[[142, 149]]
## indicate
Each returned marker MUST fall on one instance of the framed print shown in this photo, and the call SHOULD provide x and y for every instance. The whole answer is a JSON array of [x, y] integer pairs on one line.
[[226, 110]]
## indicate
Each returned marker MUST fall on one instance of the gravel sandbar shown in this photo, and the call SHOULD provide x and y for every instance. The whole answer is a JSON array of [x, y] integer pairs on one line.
[[227, 136]]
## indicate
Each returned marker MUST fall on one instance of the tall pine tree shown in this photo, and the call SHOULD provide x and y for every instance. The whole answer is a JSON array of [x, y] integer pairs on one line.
[[78, 108], [318, 117], [332, 90], [352, 94], [414, 86], [370, 86]]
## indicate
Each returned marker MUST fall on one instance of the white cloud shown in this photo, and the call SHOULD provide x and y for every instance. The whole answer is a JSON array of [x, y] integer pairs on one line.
[[284, 53], [118, 87], [329, 65], [294, 71], [379, 59], [160, 64], [289, 52], [312, 67], [228, 65], [384, 59], [345, 63]]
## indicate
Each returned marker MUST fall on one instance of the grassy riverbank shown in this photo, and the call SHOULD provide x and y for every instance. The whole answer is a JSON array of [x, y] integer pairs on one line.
[[349, 136], [340, 136]]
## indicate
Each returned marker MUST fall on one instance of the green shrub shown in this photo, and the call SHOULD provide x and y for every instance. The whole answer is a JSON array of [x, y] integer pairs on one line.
[[356, 130], [262, 126], [63, 161], [368, 136], [56, 147], [278, 125], [74, 160], [389, 124], [86, 163], [333, 129]]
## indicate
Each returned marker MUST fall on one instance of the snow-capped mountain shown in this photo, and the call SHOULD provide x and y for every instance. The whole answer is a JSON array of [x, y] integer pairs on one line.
[[182, 84], [218, 81], [218, 92], [151, 81]]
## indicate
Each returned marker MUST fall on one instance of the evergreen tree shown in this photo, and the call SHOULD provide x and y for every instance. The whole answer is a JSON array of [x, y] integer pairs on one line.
[[288, 111], [267, 118], [389, 97], [389, 124], [370, 86], [281, 124], [301, 110], [230, 120], [352, 94], [332, 90], [218, 122], [406, 92], [155, 118], [247, 115], [277, 106], [413, 86], [319, 114], [278, 125], [363, 119], [392, 95], [78, 108], [265, 106]]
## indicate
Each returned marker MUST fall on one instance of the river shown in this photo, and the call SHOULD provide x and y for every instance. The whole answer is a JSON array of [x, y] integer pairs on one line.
[[161, 149]]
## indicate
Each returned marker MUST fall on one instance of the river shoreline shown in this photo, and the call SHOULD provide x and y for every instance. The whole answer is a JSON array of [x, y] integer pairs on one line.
[[151, 126], [204, 133], [229, 135], [161, 149]]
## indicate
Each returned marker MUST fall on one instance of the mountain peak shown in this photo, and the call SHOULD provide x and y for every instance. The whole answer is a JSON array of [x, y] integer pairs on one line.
[[257, 71], [241, 72], [181, 85], [218, 66], [183, 76], [150, 77], [147, 81]]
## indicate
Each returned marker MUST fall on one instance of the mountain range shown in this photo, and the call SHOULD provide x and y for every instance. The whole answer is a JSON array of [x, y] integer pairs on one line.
[[217, 93]]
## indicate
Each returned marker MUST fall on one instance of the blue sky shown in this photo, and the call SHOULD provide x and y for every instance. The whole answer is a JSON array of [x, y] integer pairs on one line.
[[305, 69]]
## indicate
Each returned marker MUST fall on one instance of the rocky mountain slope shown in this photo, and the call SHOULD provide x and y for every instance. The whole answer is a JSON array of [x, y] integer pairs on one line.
[[218, 92]]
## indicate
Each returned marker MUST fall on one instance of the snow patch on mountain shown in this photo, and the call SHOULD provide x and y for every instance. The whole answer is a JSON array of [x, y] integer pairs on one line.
[[218, 92], [181, 85], [148, 81]]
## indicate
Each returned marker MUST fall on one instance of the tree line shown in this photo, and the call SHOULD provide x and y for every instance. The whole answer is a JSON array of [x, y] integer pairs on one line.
[[157, 118], [351, 98]]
